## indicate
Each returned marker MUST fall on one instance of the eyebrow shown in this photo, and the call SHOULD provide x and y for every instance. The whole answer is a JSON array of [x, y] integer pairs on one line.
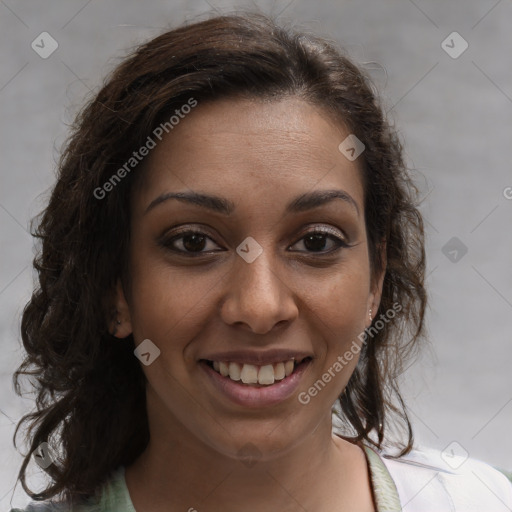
[[218, 204]]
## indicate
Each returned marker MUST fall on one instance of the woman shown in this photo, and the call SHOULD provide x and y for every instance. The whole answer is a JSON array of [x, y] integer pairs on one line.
[[232, 253]]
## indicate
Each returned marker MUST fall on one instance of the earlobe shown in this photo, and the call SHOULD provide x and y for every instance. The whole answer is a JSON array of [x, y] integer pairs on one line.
[[373, 306], [375, 296], [120, 323]]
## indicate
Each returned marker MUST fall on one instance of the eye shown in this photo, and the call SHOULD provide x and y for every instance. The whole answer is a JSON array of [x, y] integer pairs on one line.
[[189, 242], [316, 240], [195, 242]]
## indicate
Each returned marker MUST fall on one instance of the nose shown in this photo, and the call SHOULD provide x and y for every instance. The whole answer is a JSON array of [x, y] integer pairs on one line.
[[257, 296]]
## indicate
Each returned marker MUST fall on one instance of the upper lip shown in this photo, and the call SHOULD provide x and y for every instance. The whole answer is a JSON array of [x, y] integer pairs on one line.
[[259, 358]]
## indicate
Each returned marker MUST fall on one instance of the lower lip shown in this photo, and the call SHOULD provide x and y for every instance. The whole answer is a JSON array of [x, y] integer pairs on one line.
[[253, 397]]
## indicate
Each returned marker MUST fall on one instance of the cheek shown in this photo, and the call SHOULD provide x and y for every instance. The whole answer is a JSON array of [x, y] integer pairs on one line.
[[343, 301], [340, 315], [169, 303]]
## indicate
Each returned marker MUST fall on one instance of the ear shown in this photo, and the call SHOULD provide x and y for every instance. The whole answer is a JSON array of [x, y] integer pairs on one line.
[[120, 324], [375, 294]]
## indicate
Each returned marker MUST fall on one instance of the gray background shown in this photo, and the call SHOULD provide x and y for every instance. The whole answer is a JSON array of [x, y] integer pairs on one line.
[[454, 113]]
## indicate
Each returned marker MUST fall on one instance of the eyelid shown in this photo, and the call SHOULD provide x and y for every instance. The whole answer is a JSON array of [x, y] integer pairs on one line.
[[336, 236], [186, 229], [165, 240], [325, 229]]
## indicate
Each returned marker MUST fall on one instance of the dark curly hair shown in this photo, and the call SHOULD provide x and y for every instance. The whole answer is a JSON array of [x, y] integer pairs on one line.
[[90, 389]]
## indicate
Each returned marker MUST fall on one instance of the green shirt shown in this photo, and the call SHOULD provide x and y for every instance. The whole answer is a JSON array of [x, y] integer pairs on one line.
[[114, 496]]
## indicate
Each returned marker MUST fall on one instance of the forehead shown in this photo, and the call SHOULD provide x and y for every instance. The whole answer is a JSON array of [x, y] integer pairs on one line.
[[251, 148]]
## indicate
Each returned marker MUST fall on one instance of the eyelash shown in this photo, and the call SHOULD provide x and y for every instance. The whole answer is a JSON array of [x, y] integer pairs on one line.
[[168, 242]]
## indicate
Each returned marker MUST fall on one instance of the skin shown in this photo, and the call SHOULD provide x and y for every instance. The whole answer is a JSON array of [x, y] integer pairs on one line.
[[259, 155]]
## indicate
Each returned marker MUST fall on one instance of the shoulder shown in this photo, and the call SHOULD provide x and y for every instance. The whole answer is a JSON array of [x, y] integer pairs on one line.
[[50, 506], [43, 506], [429, 479], [113, 496]]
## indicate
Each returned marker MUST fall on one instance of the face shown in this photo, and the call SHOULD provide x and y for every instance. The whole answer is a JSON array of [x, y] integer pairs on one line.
[[268, 269]]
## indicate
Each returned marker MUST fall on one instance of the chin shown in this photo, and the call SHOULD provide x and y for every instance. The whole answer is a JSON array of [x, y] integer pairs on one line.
[[257, 443]]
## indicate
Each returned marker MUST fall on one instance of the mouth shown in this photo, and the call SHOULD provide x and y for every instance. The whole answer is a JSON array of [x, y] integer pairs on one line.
[[254, 386], [256, 375]]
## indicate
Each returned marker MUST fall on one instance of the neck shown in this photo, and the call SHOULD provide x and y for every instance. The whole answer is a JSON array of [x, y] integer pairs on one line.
[[177, 471]]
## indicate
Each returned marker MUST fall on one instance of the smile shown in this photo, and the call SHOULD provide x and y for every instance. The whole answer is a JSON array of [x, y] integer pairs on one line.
[[255, 386], [251, 374]]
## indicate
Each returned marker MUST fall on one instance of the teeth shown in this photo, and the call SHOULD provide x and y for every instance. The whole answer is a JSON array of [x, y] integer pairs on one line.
[[252, 374], [249, 374], [234, 371], [279, 371], [223, 367], [266, 375], [288, 367]]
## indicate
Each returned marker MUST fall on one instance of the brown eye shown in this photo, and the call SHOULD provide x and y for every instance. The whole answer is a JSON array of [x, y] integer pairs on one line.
[[189, 242], [316, 241], [194, 242]]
